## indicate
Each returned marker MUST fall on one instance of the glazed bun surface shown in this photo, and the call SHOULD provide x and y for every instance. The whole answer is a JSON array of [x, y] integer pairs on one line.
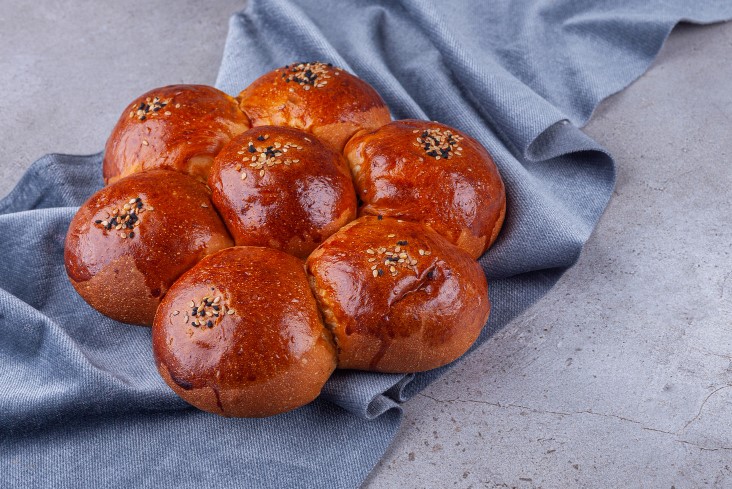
[[282, 188], [398, 297], [315, 97], [131, 240], [259, 348], [430, 173], [178, 127]]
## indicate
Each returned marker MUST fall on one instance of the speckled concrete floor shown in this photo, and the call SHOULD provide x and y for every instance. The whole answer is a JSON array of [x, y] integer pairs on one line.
[[619, 377]]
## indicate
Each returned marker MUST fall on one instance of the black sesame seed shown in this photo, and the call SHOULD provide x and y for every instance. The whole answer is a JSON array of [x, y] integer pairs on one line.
[[98, 221], [402, 243], [431, 274], [209, 324], [142, 106], [380, 272], [143, 118], [380, 217], [132, 235], [193, 323], [252, 149], [260, 138], [216, 308]]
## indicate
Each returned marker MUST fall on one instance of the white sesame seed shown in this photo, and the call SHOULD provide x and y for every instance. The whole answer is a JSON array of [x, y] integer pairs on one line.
[[375, 273], [391, 235], [144, 141], [217, 300], [230, 312], [204, 206], [175, 313], [421, 252]]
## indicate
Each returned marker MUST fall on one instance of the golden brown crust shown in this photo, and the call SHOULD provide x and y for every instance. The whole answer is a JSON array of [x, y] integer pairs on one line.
[[124, 273], [455, 190], [270, 355], [282, 188], [318, 98], [178, 127], [402, 316]]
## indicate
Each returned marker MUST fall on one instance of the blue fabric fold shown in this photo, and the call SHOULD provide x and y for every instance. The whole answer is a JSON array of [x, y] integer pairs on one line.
[[81, 404]]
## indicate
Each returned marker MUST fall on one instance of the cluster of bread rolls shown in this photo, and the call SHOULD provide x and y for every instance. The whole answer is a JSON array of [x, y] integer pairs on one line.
[[213, 202]]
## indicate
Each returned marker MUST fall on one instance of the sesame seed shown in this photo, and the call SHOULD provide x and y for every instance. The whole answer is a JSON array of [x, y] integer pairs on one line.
[[204, 206], [375, 273], [421, 252], [175, 313], [230, 312], [144, 141], [391, 235]]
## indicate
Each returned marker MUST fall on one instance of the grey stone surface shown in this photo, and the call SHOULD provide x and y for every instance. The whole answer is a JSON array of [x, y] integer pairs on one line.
[[622, 375], [619, 377]]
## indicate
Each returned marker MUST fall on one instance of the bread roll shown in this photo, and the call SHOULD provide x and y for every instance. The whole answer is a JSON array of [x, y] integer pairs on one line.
[[316, 97], [178, 127], [397, 296], [282, 188], [433, 174], [240, 335], [129, 242]]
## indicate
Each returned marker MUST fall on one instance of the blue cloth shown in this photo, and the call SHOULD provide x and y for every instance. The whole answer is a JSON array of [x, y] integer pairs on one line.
[[81, 404]]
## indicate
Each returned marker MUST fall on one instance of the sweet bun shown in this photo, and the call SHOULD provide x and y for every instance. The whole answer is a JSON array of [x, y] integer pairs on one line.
[[240, 335], [433, 174], [132, 239], [316, 97], [178, 127], [282, 188], [397, 297]]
